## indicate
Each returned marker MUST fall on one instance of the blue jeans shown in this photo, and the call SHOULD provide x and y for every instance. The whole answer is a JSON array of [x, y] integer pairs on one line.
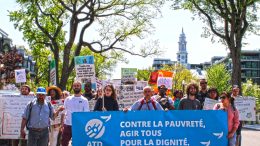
[[38, 138], [232, 140]]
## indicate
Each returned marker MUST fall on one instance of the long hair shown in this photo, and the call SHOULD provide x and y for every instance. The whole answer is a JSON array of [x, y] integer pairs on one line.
[[212, 89], [113, 95], [57, 96], [192, 85], [231, 99]]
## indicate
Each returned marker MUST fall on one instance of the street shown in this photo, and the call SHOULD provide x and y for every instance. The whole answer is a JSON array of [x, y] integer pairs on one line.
[[250, 137]]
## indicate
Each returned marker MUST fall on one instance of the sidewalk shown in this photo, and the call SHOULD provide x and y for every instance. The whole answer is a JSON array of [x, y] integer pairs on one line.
[[252, 127]]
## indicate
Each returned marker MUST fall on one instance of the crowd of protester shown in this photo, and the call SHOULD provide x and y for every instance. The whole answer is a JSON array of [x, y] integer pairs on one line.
[[39, 112]]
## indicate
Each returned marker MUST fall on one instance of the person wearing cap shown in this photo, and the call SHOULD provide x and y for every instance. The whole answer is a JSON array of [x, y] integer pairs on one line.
[[163, 99], [190, 102], [74, 103], [235, 95], [55, 93], [36, 118], [227, 104]]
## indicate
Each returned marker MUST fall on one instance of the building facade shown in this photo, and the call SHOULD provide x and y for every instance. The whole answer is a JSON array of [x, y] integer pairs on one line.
[[158, 63]]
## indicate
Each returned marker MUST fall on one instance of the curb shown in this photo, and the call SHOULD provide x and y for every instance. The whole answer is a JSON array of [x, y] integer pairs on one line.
[[252, 127]]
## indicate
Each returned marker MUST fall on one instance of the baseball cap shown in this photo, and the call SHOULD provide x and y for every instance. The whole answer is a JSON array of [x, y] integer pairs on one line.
[[41, 90]]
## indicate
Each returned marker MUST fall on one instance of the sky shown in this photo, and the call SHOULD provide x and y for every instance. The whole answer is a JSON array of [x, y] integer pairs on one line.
[[167, 30]]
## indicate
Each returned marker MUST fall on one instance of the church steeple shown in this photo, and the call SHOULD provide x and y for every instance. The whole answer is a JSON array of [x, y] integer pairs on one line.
[[182, 55]]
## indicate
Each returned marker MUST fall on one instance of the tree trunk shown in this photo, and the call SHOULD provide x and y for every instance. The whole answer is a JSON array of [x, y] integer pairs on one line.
[[236, 66]]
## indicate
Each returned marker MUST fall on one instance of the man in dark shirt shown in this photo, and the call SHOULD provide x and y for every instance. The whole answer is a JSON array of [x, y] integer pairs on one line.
[[190, 102], [88, 91], [203, 93]]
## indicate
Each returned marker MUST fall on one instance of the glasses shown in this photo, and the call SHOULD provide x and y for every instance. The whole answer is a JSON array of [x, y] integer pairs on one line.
[[223, 97], [109, 90]]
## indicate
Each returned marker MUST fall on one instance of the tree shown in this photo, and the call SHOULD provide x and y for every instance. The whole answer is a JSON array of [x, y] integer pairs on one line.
[[181, 74], [227, 19], [46, 23], [218, 77], [250, 89], [103, 66], [144, 74]]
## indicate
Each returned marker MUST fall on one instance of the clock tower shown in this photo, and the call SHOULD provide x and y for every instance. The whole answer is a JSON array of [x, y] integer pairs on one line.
[[182, 55]]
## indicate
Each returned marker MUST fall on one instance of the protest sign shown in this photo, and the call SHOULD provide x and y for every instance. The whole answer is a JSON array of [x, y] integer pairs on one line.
[[11, 112], [56, 104], [52, 73], [20, 76], [127, 96], [128, 75], [167, 81], [209, 103], [246, 108], [186, 128], [140, 85], [85, 70]]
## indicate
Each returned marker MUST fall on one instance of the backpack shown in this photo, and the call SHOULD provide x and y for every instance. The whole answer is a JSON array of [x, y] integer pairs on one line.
[[142, 102], [30, 110]]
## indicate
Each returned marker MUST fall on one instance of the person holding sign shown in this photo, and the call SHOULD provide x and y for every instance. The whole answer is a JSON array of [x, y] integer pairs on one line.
[[213, 93], [107, 102], [146, 103], [36, 118], [235, 94], [203, 93], [227, 104], [55, 93], [25, 90], [190, 102], [163, 99], [74, 103]]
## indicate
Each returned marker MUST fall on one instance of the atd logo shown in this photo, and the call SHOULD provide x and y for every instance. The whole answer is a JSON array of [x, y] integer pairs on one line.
[[95, 128]]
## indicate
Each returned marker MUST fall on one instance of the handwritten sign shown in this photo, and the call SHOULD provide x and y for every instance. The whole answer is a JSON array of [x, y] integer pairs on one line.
[[12, 108], [246, 108], [140, 85], [127, 95], [128, 75], [209, 103], [167, 81], [20, 76], [56, 104]]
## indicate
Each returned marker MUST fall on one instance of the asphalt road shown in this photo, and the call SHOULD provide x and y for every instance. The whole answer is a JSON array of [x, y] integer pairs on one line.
[[250, 137]]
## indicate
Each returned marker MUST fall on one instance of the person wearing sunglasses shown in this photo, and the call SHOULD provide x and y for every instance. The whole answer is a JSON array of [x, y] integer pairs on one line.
[[227, 104]]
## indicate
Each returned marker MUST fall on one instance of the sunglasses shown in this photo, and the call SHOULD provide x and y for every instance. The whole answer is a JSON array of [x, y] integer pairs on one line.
[[203, 82]]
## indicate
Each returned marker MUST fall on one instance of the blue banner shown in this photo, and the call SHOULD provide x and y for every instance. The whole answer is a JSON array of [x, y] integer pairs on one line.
[[140, 128]]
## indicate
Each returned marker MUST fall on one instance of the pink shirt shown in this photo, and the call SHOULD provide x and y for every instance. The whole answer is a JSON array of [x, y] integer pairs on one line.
[[233, 116]]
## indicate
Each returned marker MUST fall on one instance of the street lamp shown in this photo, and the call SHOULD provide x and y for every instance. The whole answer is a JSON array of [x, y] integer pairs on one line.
[[49, 70]]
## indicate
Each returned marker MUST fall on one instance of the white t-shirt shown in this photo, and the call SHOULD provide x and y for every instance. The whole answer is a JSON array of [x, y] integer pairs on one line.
[[74, 104]]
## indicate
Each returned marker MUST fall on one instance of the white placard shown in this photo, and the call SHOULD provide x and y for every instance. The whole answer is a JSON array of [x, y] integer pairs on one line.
[[20, 76], [11, 110], [246, 107], [209, 104], [167, 81], [56, 104], [140, 85], [127, 96]]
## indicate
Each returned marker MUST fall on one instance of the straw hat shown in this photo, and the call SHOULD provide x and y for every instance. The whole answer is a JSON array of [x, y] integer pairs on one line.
[[54, 88]]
